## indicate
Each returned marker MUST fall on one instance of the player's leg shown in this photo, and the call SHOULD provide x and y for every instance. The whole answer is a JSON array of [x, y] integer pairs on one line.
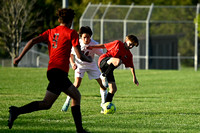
[[107, 65], [103, 91], [77, 83], [112, 91], [55, 77], [73, 92], [45, 104], [112, 86], [94, 73], [113, 63], [79, 73]]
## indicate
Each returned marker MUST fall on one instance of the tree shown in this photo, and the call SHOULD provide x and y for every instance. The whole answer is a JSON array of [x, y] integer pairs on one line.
[[15, 17]]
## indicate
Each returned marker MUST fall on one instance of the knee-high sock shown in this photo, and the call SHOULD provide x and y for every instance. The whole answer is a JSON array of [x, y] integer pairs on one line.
[[76, 112], [28, 108], [111, 67], [103, 96], [109, 97]]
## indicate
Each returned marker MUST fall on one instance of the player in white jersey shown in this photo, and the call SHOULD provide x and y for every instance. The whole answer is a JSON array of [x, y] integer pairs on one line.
[[81, 67]]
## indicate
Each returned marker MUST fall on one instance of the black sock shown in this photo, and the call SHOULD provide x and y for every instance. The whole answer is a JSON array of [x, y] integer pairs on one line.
[[33, 106], [109, 97], [111, 67], [76, 112]]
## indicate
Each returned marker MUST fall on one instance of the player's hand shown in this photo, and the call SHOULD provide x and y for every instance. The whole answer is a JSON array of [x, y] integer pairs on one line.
[[16, 61], [135, 81], [89, 47], [74, 66]]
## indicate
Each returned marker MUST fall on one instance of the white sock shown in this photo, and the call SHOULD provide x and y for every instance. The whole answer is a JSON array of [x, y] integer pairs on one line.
[[103, 96], [68, 99]]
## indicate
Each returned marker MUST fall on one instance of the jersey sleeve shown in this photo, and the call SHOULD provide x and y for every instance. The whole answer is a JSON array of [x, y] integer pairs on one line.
[[45, 36], [111, 45], [72, 51], [75, 38], [97, 51]]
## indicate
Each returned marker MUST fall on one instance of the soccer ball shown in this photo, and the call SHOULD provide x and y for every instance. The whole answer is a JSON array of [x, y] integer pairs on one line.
[[109, 108]]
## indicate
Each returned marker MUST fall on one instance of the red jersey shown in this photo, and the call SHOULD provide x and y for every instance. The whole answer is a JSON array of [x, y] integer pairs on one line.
[[60, 41], [116, 49]]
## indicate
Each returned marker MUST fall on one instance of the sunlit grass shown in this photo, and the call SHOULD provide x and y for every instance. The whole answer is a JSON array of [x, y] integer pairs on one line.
[[165, 101]]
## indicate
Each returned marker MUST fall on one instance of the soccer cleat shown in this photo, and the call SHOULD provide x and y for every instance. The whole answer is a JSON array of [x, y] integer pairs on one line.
[[104, 81], [13, 116], [84, 131], [65, 107]]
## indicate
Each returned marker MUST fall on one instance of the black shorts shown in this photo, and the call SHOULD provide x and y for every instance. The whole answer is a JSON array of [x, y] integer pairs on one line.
[[104, 66], [58, 81]]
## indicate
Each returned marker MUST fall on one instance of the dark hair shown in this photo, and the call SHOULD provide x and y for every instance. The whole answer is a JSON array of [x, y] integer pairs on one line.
[[85, 29], [65, 15], [133, 39]]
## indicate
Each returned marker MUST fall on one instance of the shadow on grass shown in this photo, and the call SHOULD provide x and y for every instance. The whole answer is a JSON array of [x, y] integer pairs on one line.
[[34, 131]]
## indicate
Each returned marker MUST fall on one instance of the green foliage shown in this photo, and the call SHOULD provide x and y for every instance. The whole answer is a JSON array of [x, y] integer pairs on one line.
[[165, 101], [197, 21]]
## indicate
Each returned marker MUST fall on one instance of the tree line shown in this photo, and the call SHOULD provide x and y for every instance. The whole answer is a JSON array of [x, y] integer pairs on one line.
[[21, 20]]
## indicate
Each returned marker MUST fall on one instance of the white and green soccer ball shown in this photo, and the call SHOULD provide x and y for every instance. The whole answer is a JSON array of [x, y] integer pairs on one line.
[[109, 108]]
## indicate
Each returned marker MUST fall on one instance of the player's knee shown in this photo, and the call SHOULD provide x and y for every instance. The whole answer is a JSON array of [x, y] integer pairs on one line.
[[77, 99], [117, 62]]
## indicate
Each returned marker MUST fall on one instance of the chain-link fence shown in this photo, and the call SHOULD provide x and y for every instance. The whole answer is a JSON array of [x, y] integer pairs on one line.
[[168, 34], [37, 56]]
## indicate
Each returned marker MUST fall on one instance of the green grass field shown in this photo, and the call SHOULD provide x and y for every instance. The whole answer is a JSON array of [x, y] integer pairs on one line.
[[165, 101]]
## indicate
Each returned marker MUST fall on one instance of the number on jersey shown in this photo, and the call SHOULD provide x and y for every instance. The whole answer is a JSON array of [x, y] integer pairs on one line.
[[55, 40]]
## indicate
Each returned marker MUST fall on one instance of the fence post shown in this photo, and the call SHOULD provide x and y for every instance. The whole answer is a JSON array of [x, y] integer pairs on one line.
[[147, 37], [196, 40]]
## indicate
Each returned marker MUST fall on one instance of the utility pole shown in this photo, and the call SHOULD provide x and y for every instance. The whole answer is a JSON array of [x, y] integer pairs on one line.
[[65, 3]]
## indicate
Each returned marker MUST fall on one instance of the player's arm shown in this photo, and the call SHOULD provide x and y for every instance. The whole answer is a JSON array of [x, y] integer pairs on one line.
[[28, 46], [80, 55], [96, 46], [134, 76], [73, 64]]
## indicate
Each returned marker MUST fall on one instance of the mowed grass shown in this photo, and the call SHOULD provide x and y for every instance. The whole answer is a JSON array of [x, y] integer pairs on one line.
[[165, 101]]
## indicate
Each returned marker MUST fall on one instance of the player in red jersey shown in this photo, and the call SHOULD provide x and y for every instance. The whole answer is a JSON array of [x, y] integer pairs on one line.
[[60, 41], [117, 53]]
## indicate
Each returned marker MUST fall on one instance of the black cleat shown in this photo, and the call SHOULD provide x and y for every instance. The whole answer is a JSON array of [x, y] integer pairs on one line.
[[12, 116], [84, 131]]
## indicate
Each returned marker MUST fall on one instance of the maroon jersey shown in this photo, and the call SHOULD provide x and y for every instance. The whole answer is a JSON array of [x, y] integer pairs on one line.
[[116, 49], [60, 41]]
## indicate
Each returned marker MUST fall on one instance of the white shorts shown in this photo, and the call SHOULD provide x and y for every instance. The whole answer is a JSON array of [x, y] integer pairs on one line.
[[92, 74]]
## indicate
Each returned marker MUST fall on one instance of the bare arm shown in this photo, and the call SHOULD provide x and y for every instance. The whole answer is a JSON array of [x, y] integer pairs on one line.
[[134, 76], [81, 56], [73, 64], [28, 46], [96, 46]]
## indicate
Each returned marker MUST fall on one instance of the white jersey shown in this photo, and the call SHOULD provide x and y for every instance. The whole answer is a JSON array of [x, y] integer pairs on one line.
[[83, 64]]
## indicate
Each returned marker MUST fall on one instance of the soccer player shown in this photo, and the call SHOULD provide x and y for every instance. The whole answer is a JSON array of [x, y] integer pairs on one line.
[[81, 67], [60, 41], [117, 53]]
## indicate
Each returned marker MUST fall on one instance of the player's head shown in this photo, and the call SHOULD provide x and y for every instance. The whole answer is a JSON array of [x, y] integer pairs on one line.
[[85, 34], [131, 41], [65, 15]]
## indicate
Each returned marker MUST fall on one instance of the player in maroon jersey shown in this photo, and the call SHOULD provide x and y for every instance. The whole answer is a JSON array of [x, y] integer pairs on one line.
[[117, 53], [60, 41]]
